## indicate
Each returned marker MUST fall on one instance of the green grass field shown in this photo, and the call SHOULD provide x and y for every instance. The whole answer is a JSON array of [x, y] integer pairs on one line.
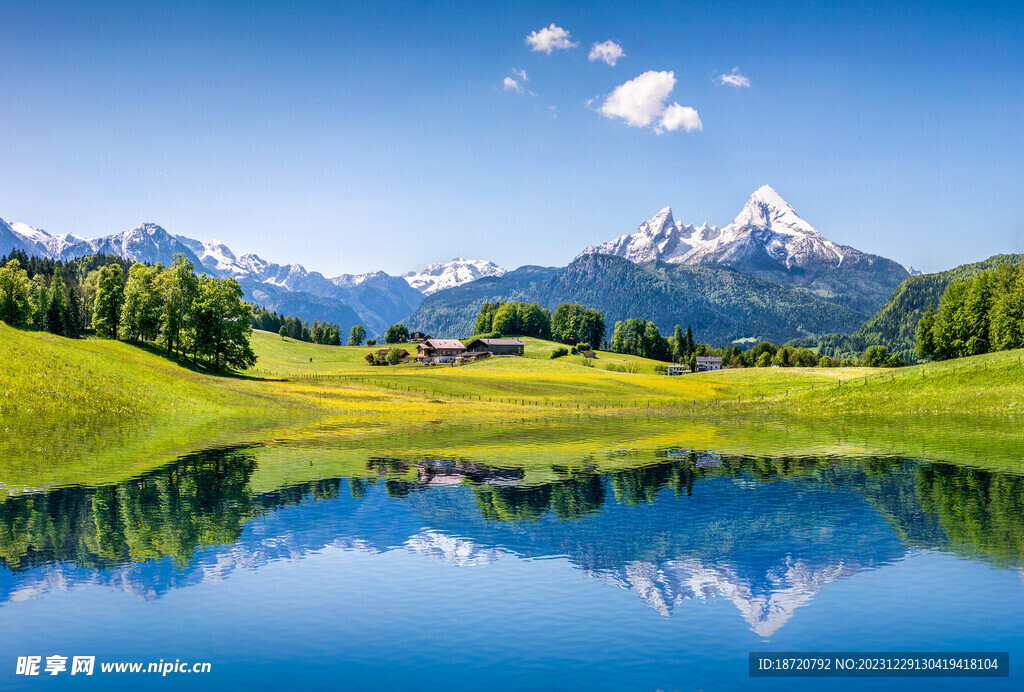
[[87, 410]]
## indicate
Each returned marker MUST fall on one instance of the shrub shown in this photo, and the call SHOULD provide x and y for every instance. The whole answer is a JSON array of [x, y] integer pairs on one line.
[[559, 352], [660, 369], [587, 362], [371, 342]]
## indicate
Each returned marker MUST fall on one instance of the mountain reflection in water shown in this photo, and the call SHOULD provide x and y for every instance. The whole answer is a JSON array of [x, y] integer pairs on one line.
[[765, 533]]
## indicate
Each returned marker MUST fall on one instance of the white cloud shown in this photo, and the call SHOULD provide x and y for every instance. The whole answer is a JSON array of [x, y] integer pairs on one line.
[[609, 51], [677, 117], [517, 83], [641, 103], [550, 38], [734, 78]]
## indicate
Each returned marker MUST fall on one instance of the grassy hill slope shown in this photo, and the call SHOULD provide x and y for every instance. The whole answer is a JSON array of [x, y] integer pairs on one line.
[[90, 410]]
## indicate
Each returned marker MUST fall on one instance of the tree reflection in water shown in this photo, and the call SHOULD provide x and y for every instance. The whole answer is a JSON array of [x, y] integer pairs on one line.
[[204, 501]]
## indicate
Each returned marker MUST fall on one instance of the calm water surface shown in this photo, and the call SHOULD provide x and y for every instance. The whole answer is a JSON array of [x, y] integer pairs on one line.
[[449, 573]]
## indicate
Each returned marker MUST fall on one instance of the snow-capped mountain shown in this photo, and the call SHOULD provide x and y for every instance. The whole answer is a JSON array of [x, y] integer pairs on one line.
[[376, 299], [771, 241], [437, 277], [768, 229], [34, 241], [766, 606]]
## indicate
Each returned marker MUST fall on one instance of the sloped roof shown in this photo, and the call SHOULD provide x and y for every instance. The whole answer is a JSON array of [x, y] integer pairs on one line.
[[444, 343], [501, 342]]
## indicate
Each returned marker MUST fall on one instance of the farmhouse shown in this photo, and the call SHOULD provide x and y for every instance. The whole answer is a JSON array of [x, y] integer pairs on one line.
[[709, 363], [440, 350], [496, 347]]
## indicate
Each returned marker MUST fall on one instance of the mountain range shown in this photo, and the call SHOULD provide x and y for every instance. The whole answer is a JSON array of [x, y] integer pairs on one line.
[[375, 299], [767, 274]]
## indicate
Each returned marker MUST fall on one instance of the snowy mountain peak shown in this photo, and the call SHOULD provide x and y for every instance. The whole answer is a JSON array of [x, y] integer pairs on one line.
[[767, 210], [766, 234], [437, 277], [24, 230]]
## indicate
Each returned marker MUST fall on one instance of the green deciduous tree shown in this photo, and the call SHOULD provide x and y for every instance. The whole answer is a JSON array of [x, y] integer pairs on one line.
[[356, 335], [106, 312], [179, 288], [16, 306], [223, 324], [396, 334], [394, 356], [572, 323], [143, 303]]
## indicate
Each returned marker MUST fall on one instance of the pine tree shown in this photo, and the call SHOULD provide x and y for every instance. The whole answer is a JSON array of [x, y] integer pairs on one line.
[[57, 307], [925, 337]]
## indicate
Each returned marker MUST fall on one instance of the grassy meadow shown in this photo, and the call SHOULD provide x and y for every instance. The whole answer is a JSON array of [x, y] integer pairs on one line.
[[91, 410]]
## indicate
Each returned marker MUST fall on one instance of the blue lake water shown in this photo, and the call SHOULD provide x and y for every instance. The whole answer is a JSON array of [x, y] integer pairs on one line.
[[449, 574]]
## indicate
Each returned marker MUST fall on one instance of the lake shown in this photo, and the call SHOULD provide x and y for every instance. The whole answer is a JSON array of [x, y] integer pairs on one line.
[[653, 568]]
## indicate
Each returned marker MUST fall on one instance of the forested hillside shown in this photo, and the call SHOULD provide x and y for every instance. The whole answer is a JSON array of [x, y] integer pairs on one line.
[[895, 324], [722, 304]]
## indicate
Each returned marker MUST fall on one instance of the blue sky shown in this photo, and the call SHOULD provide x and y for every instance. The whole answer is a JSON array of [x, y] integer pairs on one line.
[[357, 136]]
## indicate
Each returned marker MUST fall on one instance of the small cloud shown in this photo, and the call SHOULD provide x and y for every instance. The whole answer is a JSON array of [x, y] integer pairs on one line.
[[609, 52], [554, 111], [641, 103], [517, 83], [734, 78], [549, 39], [677, 117]]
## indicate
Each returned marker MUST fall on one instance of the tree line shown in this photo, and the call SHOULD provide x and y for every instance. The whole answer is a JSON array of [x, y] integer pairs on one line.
[[569, 324], [57, 297], [977, 315], [323, 333], [201, 317]]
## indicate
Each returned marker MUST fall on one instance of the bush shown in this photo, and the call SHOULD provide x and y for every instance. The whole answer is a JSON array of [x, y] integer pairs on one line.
[[371, 342], [660, 369], [633, 368], [559, 352], [587, 362], [824, 362], [583, 347], [615, 368]]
